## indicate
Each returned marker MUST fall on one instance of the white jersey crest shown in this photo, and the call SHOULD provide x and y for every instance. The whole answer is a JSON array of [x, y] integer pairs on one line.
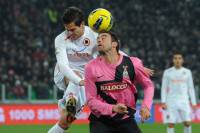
[[80, 51], [74, 55]]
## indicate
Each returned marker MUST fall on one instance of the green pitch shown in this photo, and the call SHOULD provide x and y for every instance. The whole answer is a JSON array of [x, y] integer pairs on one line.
[[146, 128]]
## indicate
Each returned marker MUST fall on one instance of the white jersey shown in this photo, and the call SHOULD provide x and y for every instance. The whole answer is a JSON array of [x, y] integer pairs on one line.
[[177, 86], [73, 55]]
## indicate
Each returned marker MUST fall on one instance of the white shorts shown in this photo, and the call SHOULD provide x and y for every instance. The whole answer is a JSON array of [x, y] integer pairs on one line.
[[177, 112], [59, 79], [76, 90]]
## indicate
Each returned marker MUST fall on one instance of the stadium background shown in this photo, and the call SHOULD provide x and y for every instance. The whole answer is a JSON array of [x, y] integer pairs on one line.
[[150, 30]]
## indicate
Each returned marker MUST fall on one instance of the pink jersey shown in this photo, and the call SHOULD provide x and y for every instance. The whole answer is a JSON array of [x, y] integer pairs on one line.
[[98, 70]]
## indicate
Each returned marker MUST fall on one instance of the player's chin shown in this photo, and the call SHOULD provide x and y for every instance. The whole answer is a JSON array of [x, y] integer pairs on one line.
[[99, 47], [101, 52], [73, 37]]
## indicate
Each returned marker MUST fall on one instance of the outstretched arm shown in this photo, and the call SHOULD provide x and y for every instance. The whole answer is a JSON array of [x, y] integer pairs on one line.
[[63, 63], [143, 79]]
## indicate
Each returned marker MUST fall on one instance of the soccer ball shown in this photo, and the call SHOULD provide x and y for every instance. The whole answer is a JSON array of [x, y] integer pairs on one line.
[[100, 20]]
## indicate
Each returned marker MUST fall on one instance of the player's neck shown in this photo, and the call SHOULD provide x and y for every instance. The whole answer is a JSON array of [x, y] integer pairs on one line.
[[112, 57], [82, 33], [177, 67]]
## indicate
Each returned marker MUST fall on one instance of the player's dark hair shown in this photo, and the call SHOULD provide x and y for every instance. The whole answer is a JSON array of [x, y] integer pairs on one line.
[[114, 38], [73, 14], [177, 53]]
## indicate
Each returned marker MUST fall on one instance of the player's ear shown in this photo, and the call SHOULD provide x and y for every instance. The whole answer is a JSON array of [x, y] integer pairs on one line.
[[114, 44], [182, 58], [65, 25], [82, 23]]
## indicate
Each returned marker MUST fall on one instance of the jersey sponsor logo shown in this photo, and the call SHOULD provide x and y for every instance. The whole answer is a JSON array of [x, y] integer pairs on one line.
[[86, 42], [80, 54], [178, 81], [113, 86]]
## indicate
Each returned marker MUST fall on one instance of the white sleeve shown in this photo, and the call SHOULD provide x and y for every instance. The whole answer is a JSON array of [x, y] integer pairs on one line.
[[191, 89], [164, 87], [95, 52], [121, 52], [63, 63]]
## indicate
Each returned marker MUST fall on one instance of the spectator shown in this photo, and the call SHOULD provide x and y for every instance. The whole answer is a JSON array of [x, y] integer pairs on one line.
[[150, 30]]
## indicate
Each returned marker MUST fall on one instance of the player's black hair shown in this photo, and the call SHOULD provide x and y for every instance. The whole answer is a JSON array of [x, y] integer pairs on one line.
[[114, 38], [177, 53], [73, 14]]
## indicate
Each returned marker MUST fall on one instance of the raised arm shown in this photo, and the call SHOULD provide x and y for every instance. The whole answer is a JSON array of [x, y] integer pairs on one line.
[[62, 61], [143, 79]]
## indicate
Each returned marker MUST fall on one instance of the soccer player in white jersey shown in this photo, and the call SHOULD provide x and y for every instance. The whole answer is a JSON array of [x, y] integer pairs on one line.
[[74, 47], [177, 88]]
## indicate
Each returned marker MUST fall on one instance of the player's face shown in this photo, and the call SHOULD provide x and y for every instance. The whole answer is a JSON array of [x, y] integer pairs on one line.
[[74, 31], [104, 42], [178, 60]]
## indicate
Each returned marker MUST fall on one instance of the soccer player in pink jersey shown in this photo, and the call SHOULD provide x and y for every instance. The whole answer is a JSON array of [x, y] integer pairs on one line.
[[110, 88], [74, 48]]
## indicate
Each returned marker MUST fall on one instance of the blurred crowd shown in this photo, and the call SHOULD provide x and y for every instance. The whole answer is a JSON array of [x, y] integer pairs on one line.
[[150, 30]]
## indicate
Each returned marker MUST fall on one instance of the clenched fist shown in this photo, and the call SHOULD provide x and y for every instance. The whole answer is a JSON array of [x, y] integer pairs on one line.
[[145, 114], [120, 108]]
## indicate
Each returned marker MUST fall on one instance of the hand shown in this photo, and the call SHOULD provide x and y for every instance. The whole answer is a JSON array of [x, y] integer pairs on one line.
[[66, 80], [148, 71], [145, 114], [120, 108], [163, 106], [81, 83], [194, 107], [78, 73]]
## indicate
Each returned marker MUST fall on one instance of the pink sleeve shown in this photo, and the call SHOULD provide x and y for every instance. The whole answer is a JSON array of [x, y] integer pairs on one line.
[[143, 79], [96, 105]]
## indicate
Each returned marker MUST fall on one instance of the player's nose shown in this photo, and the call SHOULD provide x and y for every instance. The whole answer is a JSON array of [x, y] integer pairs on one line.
[[98, 40]]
